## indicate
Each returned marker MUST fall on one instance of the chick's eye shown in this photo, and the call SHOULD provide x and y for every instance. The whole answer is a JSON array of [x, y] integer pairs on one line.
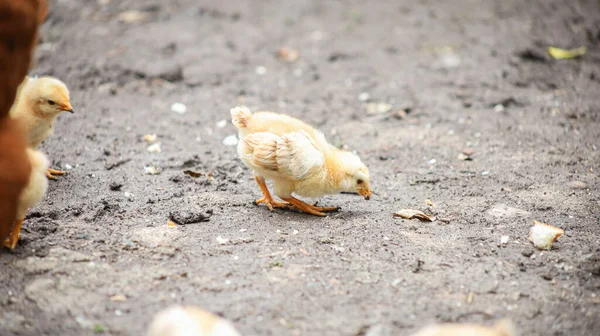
[[359, 181], [51, 102]]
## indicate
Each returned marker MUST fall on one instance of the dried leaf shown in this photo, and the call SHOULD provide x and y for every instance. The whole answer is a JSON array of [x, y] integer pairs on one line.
[[410, 214], [558, 53], [542, 235], [149, 137], [171, 224], [118, 298], [133, 16], [378, 108], [193, 173]]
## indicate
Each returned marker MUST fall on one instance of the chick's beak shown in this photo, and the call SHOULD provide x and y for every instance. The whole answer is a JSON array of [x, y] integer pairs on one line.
[[68, 108], [366, 193]]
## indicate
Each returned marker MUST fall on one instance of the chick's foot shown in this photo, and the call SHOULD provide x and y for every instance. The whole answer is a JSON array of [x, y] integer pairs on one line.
[[271, 203], [310, 209], [51, 172], [13, 239]]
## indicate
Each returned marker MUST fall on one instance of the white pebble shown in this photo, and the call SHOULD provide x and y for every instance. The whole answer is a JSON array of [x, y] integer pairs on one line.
[[499, 108], [151, 170], [179, 108], [364, 96], [222, 123], [222, 240], [230, 140], [155, 148], [260, 70]]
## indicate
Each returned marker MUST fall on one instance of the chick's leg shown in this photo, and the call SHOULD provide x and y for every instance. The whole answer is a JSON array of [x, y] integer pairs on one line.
[[267, 198], [305, 207], [13, 239], [51, 172]]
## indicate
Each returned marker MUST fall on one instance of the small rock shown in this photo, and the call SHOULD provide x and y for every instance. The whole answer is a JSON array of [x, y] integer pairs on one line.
[[417, 266], [378, 108], [222, 240], [260, 70], [468, 151], [130, 197], [222, 123], [577, 185], [183, 217], [503, 211], [115, 186], [154, 148], [230, 140], [527, 253], [364, 96], [179, 108], [151, 170]]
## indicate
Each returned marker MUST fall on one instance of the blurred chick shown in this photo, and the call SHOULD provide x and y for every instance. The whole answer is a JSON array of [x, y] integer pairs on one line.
[[18, 38], [188, 321], [298, 159], [39, 102], [33, 193], [501, 328]]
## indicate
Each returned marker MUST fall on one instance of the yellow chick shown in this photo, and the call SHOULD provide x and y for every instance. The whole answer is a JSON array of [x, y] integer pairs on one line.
[[39, 102], [501, 328], [184, 321], [298, 159], [33, 193]]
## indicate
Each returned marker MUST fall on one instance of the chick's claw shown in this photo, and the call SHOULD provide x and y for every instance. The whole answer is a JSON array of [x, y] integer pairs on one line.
[[271, 203], [13, 239], [51, 172]]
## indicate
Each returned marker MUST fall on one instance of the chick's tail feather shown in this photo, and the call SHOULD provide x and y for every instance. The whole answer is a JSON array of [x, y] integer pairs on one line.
[[240, 116]]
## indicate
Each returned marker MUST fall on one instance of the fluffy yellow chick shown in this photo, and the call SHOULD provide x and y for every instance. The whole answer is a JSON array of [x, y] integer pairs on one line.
[[33, 193], [501, 328], [187, 321], [39, 102], [298, 159]]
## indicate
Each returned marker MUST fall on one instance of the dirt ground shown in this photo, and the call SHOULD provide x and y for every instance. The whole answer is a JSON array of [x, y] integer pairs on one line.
[[98, 258]]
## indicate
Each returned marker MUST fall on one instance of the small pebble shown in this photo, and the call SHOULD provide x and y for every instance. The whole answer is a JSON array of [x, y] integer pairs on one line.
[[115, 186], [183, 217], [577, 185], [179, 108], [364, 96], [230, 140], [260, 70]]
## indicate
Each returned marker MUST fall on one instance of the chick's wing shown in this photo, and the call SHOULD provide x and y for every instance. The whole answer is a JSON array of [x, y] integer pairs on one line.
[[292, 155]]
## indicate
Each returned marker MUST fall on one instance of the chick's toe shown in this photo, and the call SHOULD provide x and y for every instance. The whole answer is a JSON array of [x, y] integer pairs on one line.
[[271, 203], [51, 172]]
